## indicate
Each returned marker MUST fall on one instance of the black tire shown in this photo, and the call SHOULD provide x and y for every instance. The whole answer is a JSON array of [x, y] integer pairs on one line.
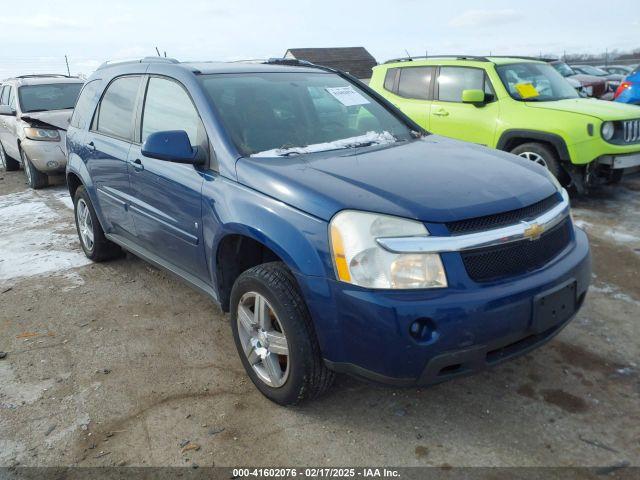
[[6, 162], [548, 155], [615, 176], [35, 178], [308, 376], [102, 249]]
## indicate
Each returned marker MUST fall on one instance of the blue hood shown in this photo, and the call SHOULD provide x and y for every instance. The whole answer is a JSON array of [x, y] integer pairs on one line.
[[434, 179]]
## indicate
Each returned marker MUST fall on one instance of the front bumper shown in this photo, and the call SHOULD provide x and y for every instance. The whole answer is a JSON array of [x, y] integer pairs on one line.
[[618, 162], [367, 333], [46, 157]]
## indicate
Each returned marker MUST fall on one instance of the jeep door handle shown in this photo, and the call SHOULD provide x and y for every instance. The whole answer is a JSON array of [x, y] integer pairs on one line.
[[137, 165], [441, 113]]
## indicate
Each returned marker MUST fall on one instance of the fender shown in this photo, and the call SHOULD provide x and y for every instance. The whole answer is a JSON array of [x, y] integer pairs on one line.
[[556, 140], [299, 239]]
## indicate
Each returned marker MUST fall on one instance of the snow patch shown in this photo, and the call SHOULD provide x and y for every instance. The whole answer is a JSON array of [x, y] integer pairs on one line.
[[368, 138], [35, 238]]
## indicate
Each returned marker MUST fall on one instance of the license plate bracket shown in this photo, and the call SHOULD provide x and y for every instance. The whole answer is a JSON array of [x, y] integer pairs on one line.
[[554, 307]]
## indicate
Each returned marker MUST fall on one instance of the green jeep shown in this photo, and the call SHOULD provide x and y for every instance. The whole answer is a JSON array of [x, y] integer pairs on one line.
[[519, 105]]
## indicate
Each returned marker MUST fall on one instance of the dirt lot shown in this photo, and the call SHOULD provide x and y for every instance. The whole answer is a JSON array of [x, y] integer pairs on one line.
[[118, 363]]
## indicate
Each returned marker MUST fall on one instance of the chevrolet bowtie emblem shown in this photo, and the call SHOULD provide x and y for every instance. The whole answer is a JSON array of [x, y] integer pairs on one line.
[[533, 231]]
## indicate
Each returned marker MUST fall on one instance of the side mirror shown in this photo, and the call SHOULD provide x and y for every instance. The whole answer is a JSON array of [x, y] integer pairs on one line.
[[475, 97], [7, 110], [171, 146]]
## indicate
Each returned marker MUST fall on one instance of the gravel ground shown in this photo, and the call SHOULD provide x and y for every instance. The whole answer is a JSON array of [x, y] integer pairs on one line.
[[120, 364]]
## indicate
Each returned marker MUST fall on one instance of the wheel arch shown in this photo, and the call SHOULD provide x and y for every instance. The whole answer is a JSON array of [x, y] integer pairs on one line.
[[510, 139]]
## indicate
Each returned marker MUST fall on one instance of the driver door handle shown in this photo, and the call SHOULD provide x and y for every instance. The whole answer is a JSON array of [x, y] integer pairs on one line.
[[441, 112], [137, 165]]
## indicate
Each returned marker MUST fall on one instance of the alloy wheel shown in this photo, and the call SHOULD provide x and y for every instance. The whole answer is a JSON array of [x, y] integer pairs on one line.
[[534, 157], [85, 224], [263, 339]]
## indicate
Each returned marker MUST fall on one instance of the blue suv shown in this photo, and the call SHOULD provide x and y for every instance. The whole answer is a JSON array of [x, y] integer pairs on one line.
[[340, 236], [629, 89]]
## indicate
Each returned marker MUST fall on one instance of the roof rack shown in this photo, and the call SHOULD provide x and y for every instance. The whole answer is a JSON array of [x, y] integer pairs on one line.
[[290, 61], [111, 63], [46, 75], [457, 57], [524, 57]]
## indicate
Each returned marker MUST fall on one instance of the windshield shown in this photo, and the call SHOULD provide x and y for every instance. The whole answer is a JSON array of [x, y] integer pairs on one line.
[[564, 69], [535, 82], [56, 96], [589, 70], [278, 114]]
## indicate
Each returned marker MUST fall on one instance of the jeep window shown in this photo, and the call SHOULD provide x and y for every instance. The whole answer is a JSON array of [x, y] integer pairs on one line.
[[83, 112], [267, 111], [167, 106], [390, 80], [116, 111], [45, 97], [414, 82], [452, 81], [535, 82]]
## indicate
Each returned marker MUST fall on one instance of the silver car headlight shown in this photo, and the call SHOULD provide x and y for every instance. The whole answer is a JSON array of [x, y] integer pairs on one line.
[[359, 259], [608, 130], [42, 134]]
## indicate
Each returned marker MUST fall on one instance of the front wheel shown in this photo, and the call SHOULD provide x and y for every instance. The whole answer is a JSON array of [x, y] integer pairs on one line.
[[35, 178], [275, 337], [543, 155]]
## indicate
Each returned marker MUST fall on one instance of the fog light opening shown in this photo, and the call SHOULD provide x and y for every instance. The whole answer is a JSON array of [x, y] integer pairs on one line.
[[422, 329]]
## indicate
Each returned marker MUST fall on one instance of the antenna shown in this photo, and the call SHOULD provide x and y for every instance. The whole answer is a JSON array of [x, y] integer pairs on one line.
[[158, 52], [408, 54], [66, 60]]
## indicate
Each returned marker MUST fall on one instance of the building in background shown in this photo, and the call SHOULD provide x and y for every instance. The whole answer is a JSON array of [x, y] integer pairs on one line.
[[355, 60]]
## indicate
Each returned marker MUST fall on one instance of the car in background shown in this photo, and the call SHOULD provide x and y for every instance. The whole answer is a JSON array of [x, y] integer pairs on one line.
[[613, 79], [592, 86], [34, 115], [519, 105], [623, 70], [629, 89], [340, 236]]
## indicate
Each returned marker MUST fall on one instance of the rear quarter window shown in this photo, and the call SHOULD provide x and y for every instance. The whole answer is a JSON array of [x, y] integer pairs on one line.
[[85, 106]]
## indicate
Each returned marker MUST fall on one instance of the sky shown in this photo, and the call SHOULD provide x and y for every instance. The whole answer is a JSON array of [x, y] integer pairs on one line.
[[35, 37]]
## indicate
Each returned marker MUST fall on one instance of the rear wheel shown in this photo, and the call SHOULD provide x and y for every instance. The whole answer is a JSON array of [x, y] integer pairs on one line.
[[544, 155], [92, 239], [275, 337], [6, 162], [35, 178]]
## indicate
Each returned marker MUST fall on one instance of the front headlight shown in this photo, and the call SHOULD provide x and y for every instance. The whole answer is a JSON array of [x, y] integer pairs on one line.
[[608, 130], [44, 134], [360, 260]]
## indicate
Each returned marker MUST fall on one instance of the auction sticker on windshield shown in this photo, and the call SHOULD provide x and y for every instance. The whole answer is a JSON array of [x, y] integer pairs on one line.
[[347, 96], [527, 90]]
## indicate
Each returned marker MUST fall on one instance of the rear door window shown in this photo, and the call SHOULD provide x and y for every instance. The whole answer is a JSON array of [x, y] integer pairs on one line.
[[4, 95], [117, 108], [415, 82]]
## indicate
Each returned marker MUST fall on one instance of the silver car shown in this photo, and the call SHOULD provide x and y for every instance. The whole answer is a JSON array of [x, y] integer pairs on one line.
[[34, 116]]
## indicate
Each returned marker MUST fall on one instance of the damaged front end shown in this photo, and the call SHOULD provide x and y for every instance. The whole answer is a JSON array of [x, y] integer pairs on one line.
[[44, 140]]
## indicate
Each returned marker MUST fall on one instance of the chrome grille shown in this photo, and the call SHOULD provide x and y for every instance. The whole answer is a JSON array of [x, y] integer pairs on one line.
[[631, 131]]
